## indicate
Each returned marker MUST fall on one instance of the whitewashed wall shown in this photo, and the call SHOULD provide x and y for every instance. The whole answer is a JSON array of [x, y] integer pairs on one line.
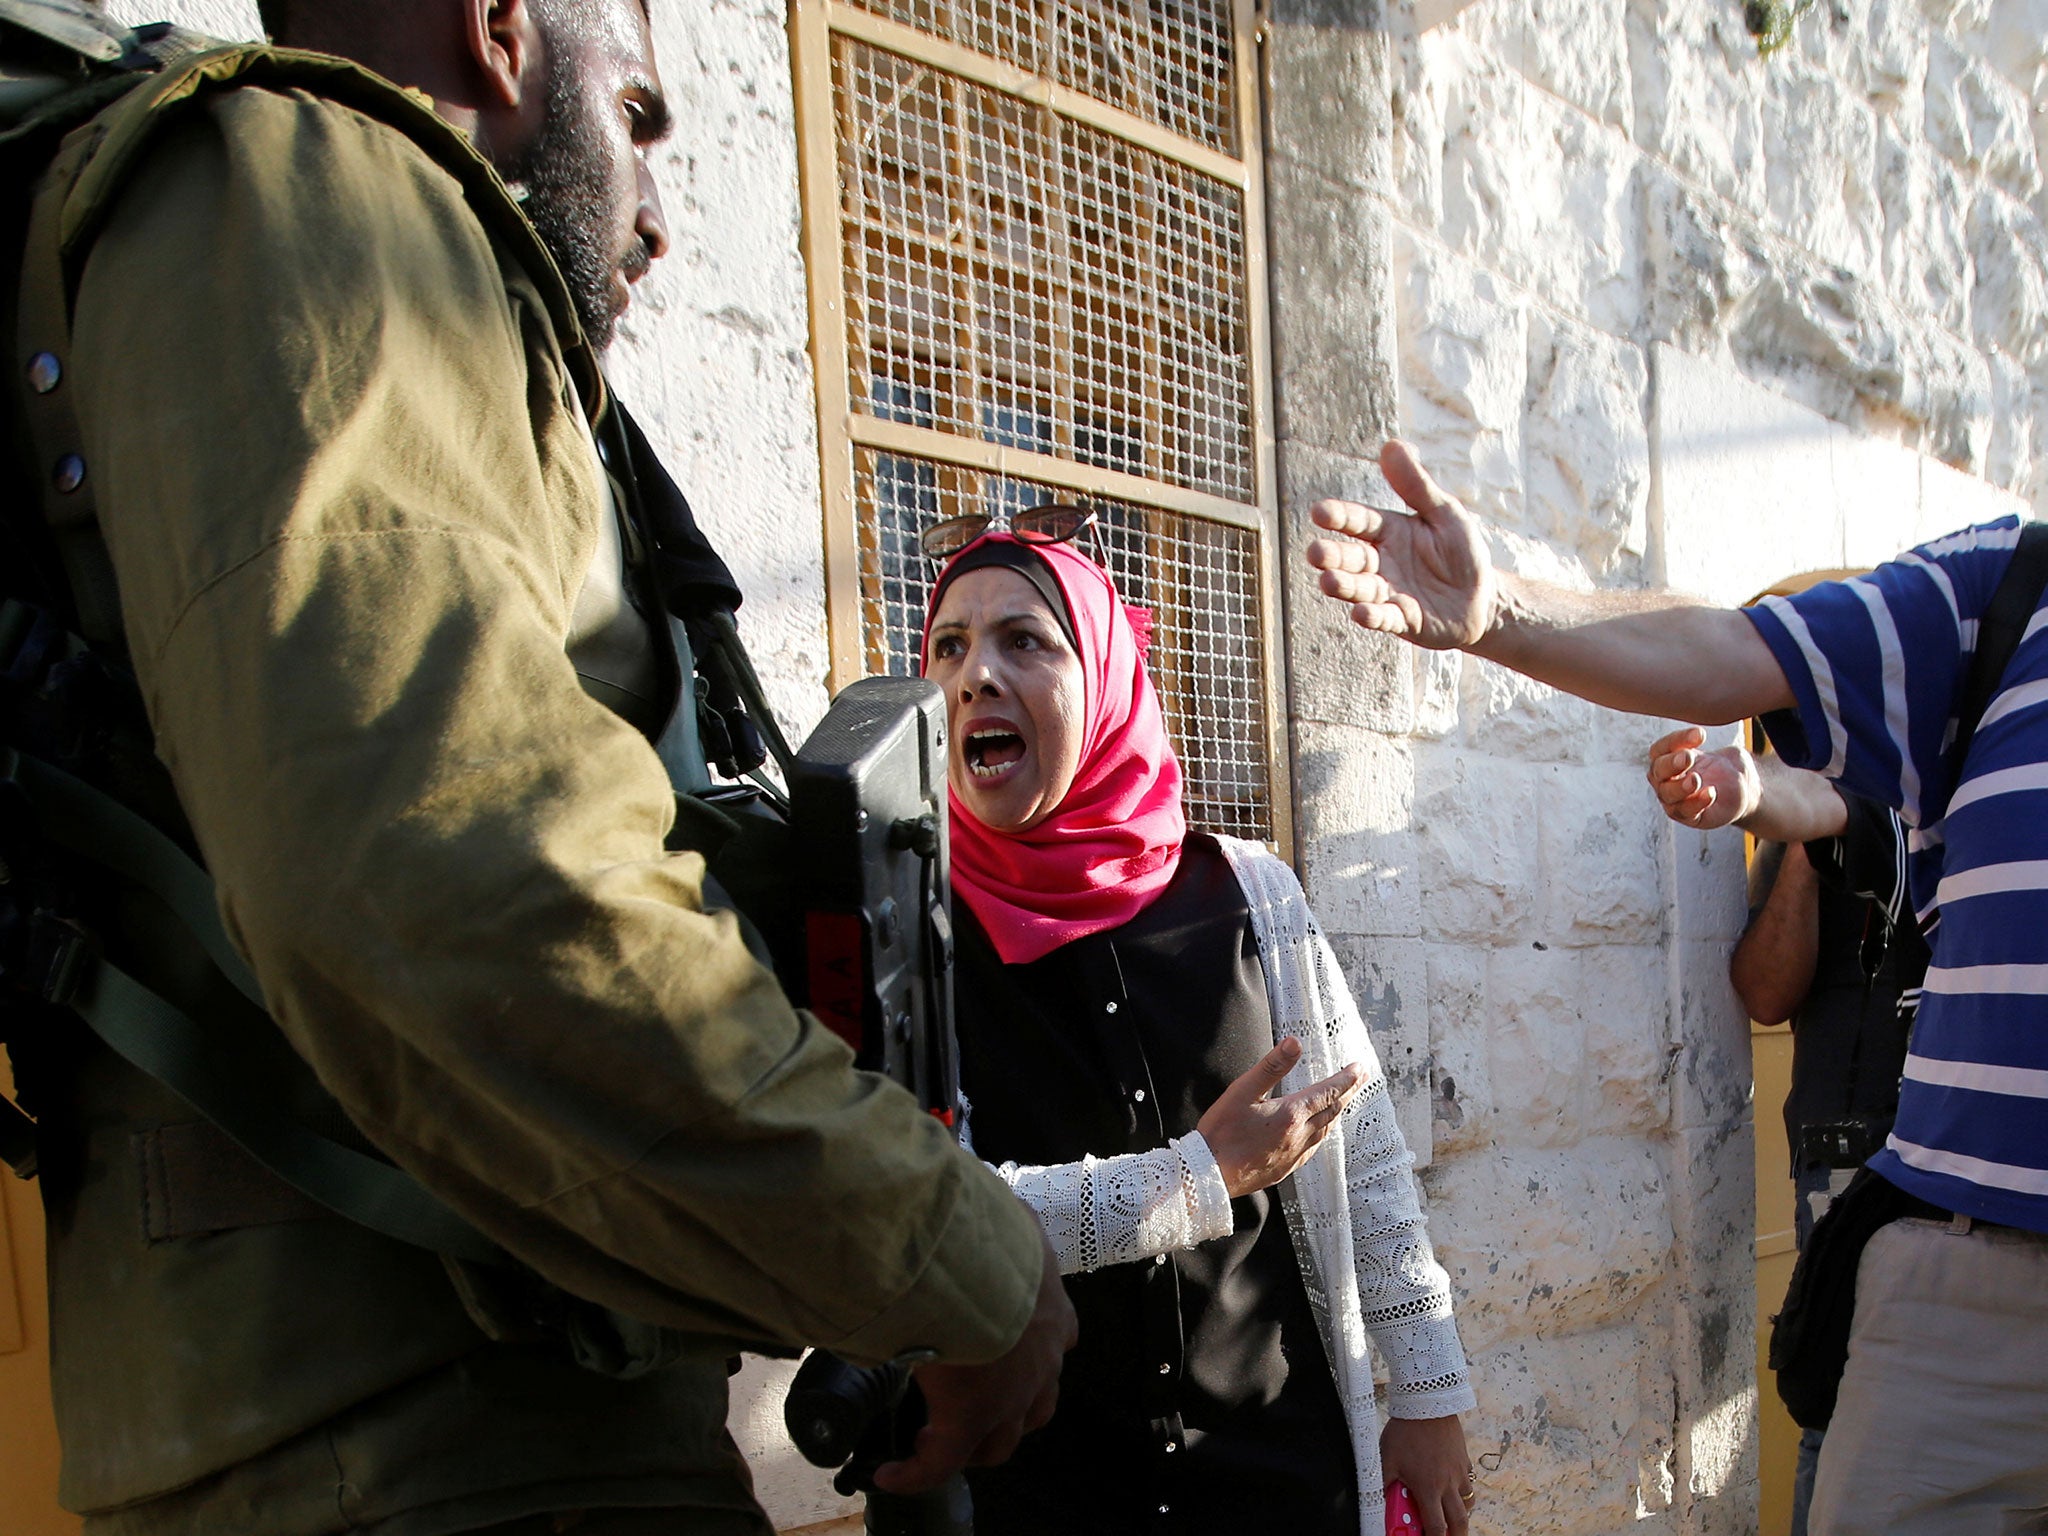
[[1661, 312]]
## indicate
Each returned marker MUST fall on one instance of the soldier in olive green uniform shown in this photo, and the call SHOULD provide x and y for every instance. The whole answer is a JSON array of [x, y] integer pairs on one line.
[[332, 402]]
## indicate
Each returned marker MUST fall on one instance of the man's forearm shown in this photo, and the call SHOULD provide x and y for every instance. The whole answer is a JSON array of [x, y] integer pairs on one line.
[[1794, 805], [1773, 964], [1651, 653]]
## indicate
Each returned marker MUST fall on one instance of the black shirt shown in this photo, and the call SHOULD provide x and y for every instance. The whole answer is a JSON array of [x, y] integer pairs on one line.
[[1199, 1398], [1851, 1031]]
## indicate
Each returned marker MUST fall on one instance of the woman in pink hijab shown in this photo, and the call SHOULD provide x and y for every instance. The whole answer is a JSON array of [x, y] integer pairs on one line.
[[1129, 994]]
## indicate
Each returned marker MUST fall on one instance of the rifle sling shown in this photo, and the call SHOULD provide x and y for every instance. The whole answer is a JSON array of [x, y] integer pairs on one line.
[[237, 1077]]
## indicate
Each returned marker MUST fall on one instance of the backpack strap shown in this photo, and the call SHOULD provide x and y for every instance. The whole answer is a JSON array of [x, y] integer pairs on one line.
[[2004, 620]]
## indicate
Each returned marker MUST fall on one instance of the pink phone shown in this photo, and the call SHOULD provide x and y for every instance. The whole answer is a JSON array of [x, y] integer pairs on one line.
[[1402, 1519]]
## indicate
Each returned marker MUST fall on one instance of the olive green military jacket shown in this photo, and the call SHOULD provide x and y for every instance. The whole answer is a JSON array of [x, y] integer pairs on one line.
[[329, 397]]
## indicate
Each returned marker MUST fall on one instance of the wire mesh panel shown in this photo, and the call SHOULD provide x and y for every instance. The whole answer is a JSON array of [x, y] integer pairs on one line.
[[1199, 580], [1005, 264], [1170, 62], [1026, 281]]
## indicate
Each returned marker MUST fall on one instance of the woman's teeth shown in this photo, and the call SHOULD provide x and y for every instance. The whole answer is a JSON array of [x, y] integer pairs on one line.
[[990, 754]]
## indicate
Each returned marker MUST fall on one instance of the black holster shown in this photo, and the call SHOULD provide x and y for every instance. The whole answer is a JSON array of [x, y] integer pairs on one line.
[[1810, 1337]]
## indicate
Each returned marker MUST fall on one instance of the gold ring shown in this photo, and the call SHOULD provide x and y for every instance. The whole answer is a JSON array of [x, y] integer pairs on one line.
[[1471, 1497]]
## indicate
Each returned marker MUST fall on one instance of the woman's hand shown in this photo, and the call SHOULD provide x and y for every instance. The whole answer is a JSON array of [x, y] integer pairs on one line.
[[1429, 1455], [1257, 1141]]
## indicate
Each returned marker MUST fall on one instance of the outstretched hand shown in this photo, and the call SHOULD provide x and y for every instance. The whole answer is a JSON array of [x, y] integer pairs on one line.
[[1425, 576], [1258, 1141], [1703, 789]]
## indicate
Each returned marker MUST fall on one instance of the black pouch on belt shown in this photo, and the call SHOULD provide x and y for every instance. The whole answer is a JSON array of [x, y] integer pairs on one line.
[[1810, 1337]]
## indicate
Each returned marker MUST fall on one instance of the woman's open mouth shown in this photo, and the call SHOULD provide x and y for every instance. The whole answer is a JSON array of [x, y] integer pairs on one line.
[[992, 752]]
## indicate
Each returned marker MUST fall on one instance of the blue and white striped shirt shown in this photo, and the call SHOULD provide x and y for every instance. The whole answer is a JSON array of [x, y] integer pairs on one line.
[[1877, 665]]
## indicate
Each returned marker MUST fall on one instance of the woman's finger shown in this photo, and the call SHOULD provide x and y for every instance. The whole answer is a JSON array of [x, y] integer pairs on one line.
[[1326, 1100], [1264, 1076]]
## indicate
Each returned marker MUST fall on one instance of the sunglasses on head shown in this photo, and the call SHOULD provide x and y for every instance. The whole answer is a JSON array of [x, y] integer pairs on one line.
[[1051, 523]]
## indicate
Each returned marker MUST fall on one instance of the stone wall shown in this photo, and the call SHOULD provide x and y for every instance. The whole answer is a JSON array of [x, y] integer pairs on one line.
[[1661, 311]]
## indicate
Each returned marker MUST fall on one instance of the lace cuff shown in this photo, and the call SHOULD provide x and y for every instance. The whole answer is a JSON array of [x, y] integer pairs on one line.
[[1112, 1210], [1425, 1361]]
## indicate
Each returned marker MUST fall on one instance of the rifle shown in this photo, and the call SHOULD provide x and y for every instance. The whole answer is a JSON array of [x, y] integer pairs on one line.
[[867, 798]]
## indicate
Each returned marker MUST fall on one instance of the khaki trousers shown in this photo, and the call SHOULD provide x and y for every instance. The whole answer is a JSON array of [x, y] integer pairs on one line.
[[1942, 1424]]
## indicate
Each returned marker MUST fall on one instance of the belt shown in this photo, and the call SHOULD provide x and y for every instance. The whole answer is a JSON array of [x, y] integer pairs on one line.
[[1927, 1210]]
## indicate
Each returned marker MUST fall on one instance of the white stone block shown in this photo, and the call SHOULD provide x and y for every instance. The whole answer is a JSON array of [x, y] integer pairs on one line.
[[1710, 884], [1601, 835], [233, 20], [1514, 716], [1427, 70], [1959, 18], [1821, 146], [1539, 192], [1537, 1006], [1703, 264], [1711, 1071], [1578, 51], [1627, 994], [1737, 463], [1567, 1430], [1889, 61], [1439, 678], [2009, 299], [1586, 442], [1877, 495], [1464, 366], [2016, 44], [1950, 499], [2011, 464], [1549, 1242], [791, 1490], [1699, 90], [1981, 120], [1389, 981], [1359, 858], [1461, 1090], [1473, 823]]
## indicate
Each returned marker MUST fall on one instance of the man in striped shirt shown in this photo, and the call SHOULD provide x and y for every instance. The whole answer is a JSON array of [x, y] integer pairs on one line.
[[1942, 1422]]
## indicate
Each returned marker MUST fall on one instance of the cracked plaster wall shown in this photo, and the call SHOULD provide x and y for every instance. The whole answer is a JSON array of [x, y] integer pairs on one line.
[[1660, 311]]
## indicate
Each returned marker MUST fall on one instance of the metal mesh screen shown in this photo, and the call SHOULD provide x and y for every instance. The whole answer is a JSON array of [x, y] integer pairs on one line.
[[1038, 283], [1198, 578], [1170, 62]]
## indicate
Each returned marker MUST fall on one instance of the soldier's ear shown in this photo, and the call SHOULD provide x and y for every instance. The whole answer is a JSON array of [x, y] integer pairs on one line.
[[504, 45]]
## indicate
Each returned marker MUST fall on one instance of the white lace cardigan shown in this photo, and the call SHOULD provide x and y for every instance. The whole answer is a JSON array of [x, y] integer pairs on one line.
[[1351, 1209]]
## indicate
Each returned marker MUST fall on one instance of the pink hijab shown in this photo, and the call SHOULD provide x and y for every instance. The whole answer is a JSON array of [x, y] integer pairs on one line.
[[1114, 842]]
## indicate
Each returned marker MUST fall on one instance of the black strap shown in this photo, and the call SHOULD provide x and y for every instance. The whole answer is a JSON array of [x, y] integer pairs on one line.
[[239, 1077], [217, 1074], [1998, 633]]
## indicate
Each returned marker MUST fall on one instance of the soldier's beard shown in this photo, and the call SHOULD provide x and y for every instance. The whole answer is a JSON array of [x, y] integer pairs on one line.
[[570, 190]]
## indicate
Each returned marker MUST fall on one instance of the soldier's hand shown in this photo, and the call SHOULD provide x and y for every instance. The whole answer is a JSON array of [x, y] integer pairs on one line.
[[976, 1414], [1258, 1140], [1424, 575]]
